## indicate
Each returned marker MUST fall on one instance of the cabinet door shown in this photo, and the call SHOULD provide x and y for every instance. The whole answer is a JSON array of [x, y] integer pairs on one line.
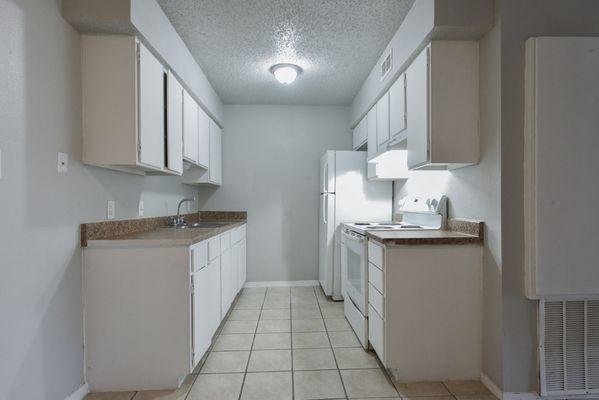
[[360, 133], [151, 109], [214, 295], [418, 109], [242, 264], [382, 122], [190, 128], [215, 153], [397, 106], [235, 267], [174, 126], [202, 312], [226, 281], [203, 139], [371, 127]]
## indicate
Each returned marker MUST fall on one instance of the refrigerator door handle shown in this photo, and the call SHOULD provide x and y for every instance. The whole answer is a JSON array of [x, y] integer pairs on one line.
[[325, 209], [325, 176]]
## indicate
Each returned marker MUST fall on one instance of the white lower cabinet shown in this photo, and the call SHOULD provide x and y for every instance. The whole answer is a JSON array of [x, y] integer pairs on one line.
[[151, 312], [440, 338]]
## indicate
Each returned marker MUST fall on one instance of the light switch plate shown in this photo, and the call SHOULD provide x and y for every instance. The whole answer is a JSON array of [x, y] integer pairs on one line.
[[63, 163], [140, 208], [110, 209]]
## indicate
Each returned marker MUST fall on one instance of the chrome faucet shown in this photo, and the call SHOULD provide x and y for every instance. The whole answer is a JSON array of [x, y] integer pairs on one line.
[[178, 221]]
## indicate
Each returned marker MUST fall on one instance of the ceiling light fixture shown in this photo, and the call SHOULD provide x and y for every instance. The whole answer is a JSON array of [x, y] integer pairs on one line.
[[285, 73]]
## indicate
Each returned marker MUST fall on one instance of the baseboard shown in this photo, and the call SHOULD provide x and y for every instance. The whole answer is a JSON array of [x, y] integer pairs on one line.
[[489, 384], [259, 284], [80, 393], [520, 396]]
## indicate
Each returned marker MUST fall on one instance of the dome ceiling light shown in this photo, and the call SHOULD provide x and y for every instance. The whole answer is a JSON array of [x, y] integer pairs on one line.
[[285, 73]]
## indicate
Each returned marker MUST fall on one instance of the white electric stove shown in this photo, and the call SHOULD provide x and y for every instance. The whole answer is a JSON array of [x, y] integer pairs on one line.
[[417, 213]]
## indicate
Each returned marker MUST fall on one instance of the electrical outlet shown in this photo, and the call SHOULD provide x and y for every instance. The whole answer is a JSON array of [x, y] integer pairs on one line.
[[140, 208], [110, 209], [63, 163]]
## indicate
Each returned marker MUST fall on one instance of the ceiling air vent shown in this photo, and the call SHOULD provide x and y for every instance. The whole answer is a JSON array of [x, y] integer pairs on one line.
[[387, 64], [569, 347]]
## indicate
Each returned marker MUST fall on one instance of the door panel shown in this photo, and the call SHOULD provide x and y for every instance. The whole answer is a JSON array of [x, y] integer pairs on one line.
[[382, 122], [151, 109], [174, 124], [397, 106], [215, 153], [190, 128], [418, 110], [203, 139], [371, 128], [202, 311], [326, 242]]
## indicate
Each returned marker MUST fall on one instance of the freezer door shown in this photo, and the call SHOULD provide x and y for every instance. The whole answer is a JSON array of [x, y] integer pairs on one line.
[[326, 242], [327, 172]]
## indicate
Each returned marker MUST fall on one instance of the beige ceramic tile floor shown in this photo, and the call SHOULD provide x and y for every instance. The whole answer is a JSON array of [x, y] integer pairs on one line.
[[294, 344]]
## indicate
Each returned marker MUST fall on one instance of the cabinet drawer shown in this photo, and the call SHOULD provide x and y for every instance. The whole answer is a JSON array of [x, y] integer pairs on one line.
[[376, 333], [376, 254], [225, 241], [199, 256], [376, 300], [376, 278], [213, 248]]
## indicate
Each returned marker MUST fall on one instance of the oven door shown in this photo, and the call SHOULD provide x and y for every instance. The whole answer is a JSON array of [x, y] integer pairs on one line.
[[353, 261]]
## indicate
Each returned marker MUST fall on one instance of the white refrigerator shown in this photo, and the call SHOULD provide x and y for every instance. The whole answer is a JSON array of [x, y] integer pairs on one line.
[[346, 195]]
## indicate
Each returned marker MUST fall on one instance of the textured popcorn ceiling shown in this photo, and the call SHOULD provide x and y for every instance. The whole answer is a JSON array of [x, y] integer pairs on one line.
[[335, 42]]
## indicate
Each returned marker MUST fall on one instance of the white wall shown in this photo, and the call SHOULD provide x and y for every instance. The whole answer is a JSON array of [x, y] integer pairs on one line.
[[41, 336], [475, 192], [270, 169]]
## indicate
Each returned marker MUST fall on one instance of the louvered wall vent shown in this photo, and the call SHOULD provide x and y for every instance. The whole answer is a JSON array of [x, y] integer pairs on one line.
[[569, 347]]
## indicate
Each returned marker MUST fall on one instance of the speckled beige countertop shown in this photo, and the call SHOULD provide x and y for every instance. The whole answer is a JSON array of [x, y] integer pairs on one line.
[[154, 232], [459, 231], [164, 236]]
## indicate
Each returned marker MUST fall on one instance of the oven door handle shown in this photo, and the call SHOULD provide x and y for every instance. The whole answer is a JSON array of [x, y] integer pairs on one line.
[[354, 236]]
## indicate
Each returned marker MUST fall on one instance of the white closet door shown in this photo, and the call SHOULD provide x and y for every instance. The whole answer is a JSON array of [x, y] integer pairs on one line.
[[190, 128], [561, 166], [174, 109], [151, 109]]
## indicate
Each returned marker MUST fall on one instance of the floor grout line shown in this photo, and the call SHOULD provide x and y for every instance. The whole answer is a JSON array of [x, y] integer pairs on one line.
[[251, 347], [333, 351]]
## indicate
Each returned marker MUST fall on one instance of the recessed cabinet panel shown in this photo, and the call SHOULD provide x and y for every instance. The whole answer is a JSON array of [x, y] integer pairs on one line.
[[203, 139], [371, 129], [190, 128], [382, 122], [215, 154], [360, 133], [418, 109], [397, 106], [174, 114]]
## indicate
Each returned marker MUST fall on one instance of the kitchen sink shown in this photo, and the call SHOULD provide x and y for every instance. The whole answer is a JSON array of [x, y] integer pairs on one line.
[[204, 224]]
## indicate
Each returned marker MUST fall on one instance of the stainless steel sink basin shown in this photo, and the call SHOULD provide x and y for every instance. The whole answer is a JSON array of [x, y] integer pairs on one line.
[[204, 224]]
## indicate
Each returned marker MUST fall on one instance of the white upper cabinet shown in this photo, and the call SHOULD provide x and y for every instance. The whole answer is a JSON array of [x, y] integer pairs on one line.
[[151, 109], [190, 128], [174, 126], [203, 139], [360, 134], [123, 86], [216, 154], [382, 122], [442, 106], [397, 109], [371, 129], [418, 110]]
